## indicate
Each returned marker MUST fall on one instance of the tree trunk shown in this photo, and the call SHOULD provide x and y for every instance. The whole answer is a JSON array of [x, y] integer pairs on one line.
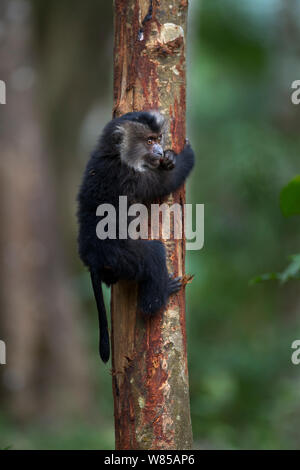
[[150, 374], [46, 372]]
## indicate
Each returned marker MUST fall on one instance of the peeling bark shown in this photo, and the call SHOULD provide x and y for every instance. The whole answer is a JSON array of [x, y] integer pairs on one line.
[[150, 374]]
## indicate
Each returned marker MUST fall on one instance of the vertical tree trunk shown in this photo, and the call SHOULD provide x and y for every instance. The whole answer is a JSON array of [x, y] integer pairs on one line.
[[150, 374], [46, 373]]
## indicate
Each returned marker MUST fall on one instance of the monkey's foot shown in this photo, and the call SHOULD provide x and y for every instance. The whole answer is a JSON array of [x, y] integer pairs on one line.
[[187, 279], [167, 162], [174, 285]]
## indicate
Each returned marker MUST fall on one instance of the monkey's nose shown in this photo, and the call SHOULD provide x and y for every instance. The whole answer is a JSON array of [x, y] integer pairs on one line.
[[158, 150]]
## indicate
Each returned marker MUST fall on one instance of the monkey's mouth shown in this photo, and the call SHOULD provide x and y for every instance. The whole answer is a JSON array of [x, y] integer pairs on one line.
[[153, 162]]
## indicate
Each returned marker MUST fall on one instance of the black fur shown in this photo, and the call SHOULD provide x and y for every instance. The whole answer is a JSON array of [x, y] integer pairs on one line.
[[105, 179]]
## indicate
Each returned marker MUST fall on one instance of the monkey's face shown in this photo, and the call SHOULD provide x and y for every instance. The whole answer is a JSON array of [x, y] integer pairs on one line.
[[141, 148], [153, 150]]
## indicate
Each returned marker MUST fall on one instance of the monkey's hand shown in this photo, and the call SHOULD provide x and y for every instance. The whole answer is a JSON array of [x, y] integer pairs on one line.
[[167, 162]]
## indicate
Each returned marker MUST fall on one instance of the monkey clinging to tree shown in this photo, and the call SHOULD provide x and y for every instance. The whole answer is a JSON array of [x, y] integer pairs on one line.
[[129, 160]]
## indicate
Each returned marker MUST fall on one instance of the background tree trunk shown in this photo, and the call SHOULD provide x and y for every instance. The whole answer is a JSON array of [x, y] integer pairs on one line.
[[46, 372], [150, 374]]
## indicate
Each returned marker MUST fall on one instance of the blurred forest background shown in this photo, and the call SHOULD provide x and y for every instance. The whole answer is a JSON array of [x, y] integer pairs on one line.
[[56, 59]]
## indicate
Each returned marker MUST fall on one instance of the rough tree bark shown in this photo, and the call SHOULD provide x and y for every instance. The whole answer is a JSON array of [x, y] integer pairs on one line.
[[150, 374]]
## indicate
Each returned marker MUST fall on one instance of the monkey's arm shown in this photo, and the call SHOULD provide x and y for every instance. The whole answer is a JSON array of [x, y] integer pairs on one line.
[[174, 171]]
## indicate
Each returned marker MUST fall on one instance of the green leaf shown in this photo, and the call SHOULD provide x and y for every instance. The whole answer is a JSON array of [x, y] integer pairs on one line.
[[264, 277], [290, 198], [292, 271]]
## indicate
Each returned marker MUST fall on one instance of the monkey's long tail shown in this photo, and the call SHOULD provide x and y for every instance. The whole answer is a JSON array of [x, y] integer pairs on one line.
[[104, 349]]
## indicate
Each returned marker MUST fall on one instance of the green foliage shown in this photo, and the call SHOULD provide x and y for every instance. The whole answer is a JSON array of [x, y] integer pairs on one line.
[[290, 198], [244, 389], [292, 271], [242, 49], [290, 205]]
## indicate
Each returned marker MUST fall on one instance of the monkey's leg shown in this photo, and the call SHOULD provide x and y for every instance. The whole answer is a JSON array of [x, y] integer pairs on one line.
[[144, 261], [154, 294], [156, 285]]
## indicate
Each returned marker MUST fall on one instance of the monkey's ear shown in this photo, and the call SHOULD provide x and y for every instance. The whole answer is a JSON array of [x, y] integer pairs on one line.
[[118, 134]]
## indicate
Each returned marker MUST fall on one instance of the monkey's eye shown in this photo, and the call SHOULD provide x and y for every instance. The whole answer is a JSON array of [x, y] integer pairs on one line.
[[150, 141], [159, 138]]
